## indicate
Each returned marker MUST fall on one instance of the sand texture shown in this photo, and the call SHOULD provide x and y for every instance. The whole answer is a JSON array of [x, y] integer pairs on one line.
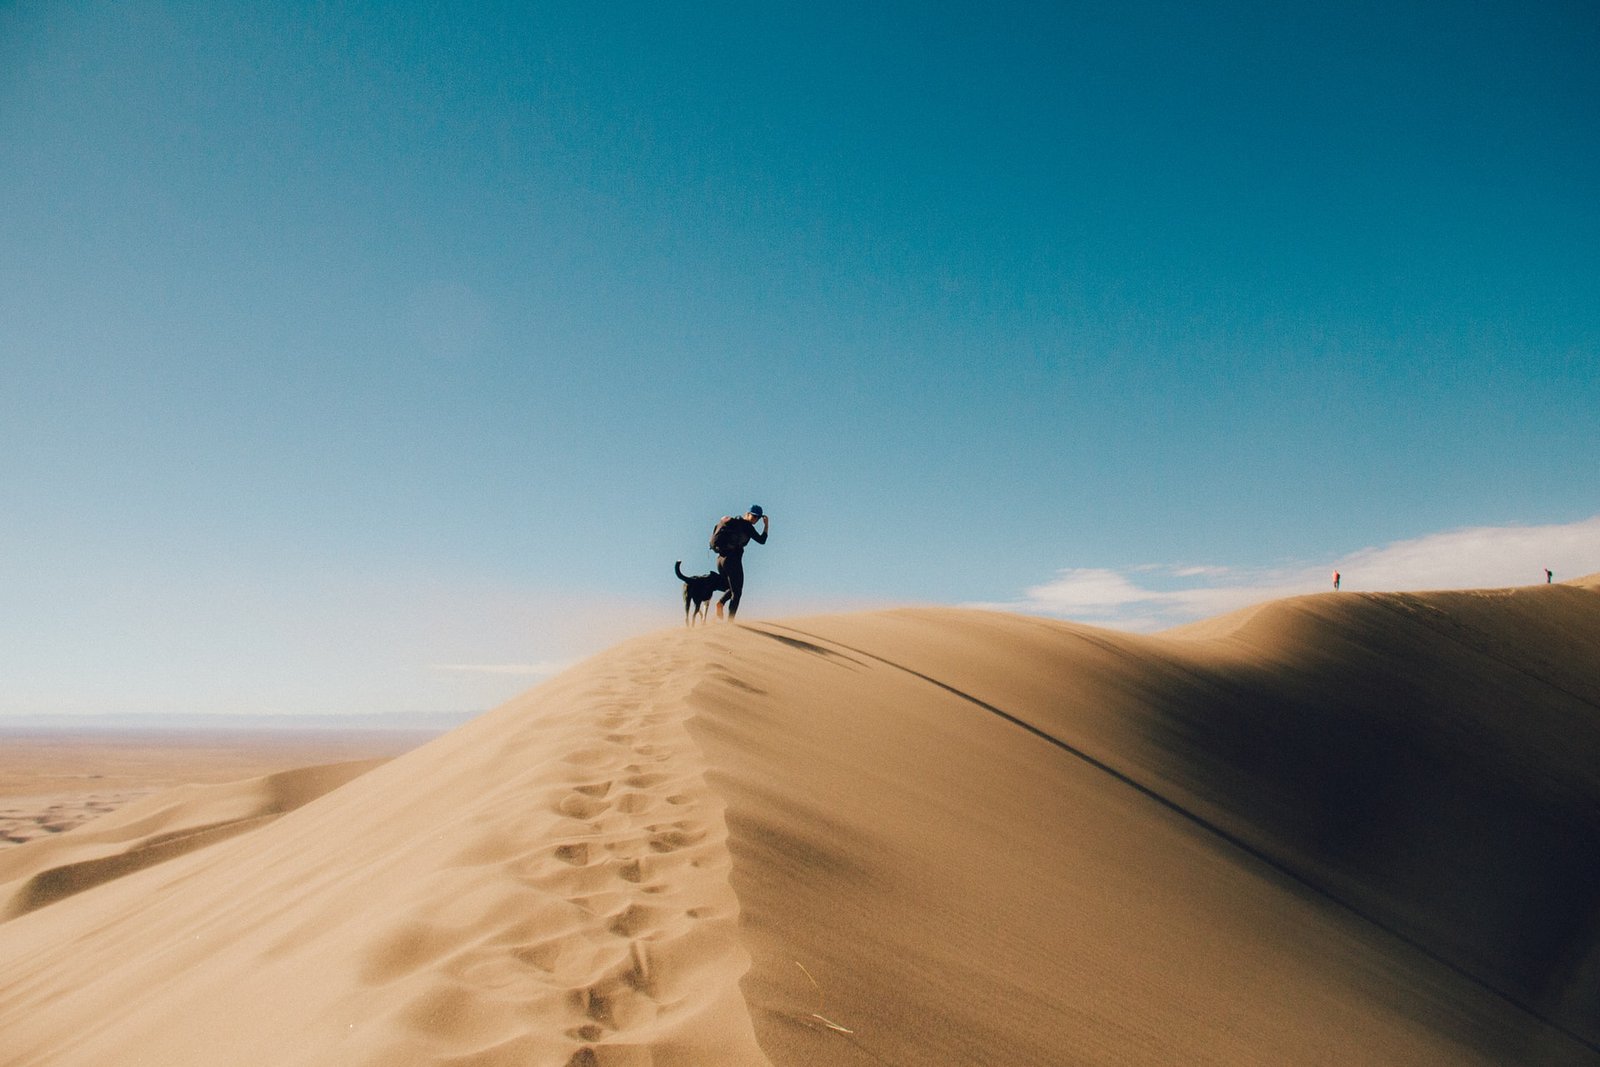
[[52, 781], [1348, 828], [156, 829]]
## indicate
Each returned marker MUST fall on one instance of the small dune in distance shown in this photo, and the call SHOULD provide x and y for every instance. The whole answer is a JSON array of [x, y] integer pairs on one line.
[[1349, 828]]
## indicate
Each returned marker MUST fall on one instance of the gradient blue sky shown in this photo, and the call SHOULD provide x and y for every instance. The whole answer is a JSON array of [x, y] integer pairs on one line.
[[347, 350]]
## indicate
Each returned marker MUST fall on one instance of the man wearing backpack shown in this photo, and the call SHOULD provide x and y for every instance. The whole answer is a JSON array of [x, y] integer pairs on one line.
[[728, 541]]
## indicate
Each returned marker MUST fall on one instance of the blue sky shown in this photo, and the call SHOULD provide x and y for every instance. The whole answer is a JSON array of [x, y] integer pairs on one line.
[[346, 347]]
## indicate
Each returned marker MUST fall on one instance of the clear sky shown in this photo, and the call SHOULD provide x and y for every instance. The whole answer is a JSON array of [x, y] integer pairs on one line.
[[350, 350]]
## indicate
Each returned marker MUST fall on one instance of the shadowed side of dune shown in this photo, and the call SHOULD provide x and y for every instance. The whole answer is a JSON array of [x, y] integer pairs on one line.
[[158, 829], [957, 841], [935, 836], [56, 883], [1431, 759], [1430, 762]]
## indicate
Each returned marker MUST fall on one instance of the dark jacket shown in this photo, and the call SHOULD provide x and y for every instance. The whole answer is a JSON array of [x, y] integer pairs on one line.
[[732, 534]]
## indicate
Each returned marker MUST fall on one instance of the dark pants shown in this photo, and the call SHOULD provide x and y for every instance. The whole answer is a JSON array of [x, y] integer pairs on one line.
[[732, 567]]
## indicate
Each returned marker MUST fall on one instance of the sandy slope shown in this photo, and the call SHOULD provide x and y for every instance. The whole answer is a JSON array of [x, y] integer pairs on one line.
[[1025, 904], [155, 830], [547, 884], [1338, 829], [56, 779]]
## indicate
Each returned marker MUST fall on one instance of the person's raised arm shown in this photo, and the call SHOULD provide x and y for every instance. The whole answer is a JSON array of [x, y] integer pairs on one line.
[[761, 534]]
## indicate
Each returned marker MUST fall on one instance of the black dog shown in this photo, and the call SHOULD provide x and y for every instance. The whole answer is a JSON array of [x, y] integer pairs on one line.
[[698, 589]]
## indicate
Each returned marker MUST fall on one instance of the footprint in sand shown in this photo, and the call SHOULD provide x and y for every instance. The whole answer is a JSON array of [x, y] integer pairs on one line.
[[579, 806], [633, 803], [633, 920], [638, 977], [542, 956], [679, 835], [588, 757], [575, 854], [668, 842], [644, 780], [596, 1005]]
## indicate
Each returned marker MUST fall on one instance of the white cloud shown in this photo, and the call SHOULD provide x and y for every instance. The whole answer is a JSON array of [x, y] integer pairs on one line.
[[1482, 557], [1089, 589], [1168, 595], [1199, 572]]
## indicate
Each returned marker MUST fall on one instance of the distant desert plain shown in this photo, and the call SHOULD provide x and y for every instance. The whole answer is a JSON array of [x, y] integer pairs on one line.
[[1349, 828]]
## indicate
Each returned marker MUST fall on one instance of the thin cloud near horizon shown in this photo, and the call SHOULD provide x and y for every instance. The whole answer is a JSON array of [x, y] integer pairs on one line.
[[543, 669], [1155, 596]]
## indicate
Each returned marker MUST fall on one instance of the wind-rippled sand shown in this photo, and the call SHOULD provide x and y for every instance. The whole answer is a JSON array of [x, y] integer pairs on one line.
[[1337, 829]]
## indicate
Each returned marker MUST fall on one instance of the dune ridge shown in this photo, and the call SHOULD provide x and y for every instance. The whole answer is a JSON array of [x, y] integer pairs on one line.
[[156, 829], [547, 884], [1347, 828], [55, 779], [1426, 761]]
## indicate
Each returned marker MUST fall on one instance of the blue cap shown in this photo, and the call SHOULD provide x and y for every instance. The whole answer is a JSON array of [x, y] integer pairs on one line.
[[755, 509]]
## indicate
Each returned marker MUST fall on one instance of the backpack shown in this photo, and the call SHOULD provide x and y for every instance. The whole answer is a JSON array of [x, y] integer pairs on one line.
[[725, 538]]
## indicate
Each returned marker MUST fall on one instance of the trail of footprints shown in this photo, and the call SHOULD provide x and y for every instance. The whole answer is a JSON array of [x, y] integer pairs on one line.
[[631, 861], [629, 827]]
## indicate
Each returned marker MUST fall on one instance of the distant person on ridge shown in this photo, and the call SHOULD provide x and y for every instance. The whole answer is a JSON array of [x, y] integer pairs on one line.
[[1548, 577], [728, 541], [1335, 581]]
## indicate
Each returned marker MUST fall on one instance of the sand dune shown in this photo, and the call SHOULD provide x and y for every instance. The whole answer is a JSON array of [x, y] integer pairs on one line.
[[52, 780], [1337, 829], [156, 829], [547, 884]]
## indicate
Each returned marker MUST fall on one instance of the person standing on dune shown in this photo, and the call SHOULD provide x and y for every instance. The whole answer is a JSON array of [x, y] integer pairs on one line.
[[728, 541]]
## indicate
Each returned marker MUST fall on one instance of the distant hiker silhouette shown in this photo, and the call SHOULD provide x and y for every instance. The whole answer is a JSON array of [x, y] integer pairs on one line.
[[728, 541], [1335, 581], [1548, 577]]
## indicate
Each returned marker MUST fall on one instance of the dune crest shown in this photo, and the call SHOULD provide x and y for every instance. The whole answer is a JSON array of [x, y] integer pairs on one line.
[[1400, 785], [1338, 829], [547, 884]]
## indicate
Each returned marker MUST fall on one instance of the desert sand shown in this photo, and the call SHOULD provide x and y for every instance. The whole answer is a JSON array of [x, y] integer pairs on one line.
[[54, 780], [1345, 828]]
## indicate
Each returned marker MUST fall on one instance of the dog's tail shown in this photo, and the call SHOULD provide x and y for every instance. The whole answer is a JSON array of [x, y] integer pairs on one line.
[[678, 568]]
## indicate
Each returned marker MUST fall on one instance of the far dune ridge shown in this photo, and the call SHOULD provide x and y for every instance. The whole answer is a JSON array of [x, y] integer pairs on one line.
[[156, 829], [1344, 828]]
